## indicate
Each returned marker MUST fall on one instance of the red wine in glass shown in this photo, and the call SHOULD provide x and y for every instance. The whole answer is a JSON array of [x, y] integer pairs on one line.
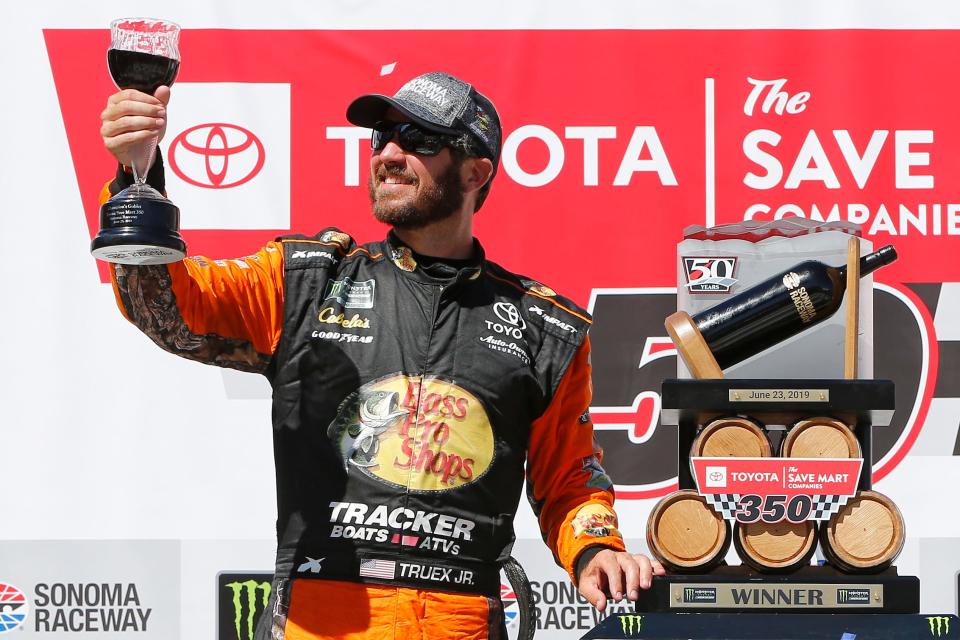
[[142, 71]]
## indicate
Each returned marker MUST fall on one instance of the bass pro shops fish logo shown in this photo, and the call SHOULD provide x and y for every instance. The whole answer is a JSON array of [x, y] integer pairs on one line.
[[424, 434], [374, 413]]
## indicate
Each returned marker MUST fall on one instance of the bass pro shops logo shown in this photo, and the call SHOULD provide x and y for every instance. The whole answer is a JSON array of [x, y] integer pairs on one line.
[[241, 599], [425, 434]]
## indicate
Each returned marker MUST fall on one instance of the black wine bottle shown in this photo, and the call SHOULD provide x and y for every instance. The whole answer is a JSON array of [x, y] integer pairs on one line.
[[779, 307]]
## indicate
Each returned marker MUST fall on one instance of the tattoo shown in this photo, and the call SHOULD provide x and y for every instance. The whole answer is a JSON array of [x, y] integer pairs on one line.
[[146, 292]]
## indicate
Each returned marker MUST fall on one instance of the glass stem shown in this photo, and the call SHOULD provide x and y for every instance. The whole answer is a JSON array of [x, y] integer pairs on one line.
[[142, 160]]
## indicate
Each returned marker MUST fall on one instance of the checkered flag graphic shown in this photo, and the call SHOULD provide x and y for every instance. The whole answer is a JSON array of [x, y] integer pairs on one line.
[[824, 507], [724, 503]]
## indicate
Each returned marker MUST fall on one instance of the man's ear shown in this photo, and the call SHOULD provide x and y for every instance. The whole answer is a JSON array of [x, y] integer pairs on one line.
[[475, 173]]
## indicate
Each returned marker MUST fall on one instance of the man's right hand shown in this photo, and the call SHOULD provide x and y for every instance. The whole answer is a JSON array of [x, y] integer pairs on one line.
[[132, 118]]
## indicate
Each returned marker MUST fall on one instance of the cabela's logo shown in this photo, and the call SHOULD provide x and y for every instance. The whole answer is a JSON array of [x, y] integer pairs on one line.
[[425, 434], [327, 315]]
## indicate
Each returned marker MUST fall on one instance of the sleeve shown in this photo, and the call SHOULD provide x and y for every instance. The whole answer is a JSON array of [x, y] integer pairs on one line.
[[567, 488], [223, 312]]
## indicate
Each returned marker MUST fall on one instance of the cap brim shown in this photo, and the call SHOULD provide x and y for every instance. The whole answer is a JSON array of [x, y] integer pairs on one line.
[[370, 109]]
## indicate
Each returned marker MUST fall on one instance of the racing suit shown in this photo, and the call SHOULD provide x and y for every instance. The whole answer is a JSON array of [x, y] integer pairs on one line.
[[409, 404]]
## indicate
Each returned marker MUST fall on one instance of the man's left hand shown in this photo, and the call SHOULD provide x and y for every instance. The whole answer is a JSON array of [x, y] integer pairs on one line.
[[613, 574]]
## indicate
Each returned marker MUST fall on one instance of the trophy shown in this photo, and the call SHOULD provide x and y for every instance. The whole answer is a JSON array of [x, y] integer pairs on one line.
[[776, 467], [139, 225]]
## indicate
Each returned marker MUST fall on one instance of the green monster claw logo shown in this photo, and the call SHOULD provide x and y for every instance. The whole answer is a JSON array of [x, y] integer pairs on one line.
[[627, 622], [939, 625], [250, 588]]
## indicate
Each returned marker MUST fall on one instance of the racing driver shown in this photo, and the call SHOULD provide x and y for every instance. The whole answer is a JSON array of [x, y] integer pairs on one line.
[[416, 384]]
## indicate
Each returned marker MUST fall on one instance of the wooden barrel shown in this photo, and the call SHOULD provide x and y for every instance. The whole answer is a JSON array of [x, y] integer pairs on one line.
[[865, 536], [685, 534], [821, 437], [775, 548], [731, 437]]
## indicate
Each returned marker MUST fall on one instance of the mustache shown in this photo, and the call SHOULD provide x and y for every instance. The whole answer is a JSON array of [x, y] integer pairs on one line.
[[394, 171]]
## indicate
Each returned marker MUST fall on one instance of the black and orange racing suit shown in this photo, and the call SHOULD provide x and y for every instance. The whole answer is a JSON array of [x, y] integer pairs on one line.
[[407, 400]]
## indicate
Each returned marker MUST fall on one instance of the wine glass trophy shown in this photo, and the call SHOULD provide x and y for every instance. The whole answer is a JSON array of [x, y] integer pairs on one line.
[[139, 225]]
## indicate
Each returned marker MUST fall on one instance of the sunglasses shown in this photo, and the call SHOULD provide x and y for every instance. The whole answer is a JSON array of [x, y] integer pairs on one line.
[[411, 138]]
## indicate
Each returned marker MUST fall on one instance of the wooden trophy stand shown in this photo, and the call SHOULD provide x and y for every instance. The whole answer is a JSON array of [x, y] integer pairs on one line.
[[737, 602]]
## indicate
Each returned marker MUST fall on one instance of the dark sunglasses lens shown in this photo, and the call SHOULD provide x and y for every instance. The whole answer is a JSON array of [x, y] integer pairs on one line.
[[410, 137], [379, 139], [413, 138]]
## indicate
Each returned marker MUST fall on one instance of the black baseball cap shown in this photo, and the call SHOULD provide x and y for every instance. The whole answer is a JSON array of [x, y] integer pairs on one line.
[[438, 102]]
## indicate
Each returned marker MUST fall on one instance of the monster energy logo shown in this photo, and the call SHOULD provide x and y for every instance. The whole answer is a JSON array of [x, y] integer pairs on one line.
[[627, 622], [853, 596], [939, 625], [247, 591]]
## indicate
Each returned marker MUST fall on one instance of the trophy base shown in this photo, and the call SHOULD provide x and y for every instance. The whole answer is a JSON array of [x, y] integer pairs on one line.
[[782, 626], [138, 226], [810, 590], [137, 254]]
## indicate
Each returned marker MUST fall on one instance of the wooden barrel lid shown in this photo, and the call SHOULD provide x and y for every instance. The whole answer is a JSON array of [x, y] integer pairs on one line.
[[683, 532], [731, 437], [820, 438], [868, 532], [780, 546]]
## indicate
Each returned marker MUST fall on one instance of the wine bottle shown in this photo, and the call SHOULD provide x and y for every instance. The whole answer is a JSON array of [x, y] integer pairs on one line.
[[778, 308]]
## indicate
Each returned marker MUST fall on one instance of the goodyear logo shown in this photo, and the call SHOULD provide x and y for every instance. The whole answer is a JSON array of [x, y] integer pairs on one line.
[[630, 624], [939, 625], [242, 598]]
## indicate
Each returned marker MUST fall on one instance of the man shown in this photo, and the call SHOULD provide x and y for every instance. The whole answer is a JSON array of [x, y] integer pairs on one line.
[[412, 380]]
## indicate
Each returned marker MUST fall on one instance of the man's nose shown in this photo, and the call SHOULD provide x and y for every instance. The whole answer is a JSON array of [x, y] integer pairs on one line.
[[392, 151]]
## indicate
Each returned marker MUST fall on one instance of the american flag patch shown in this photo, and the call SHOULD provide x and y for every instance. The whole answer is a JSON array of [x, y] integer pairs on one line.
[[386, 569]]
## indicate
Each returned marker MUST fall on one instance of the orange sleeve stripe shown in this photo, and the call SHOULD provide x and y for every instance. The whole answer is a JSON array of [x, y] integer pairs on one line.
[[542, 297], [559, 443], [233, 301]]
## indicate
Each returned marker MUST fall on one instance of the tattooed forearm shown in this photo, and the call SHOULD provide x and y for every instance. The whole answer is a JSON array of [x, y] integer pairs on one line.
[[147, 295]]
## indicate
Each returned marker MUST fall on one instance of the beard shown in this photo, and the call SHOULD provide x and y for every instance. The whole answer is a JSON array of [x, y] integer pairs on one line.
[[433, 202]]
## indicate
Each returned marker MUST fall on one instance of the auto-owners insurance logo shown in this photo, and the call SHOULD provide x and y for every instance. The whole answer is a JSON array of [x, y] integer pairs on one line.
[[425, 434]]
